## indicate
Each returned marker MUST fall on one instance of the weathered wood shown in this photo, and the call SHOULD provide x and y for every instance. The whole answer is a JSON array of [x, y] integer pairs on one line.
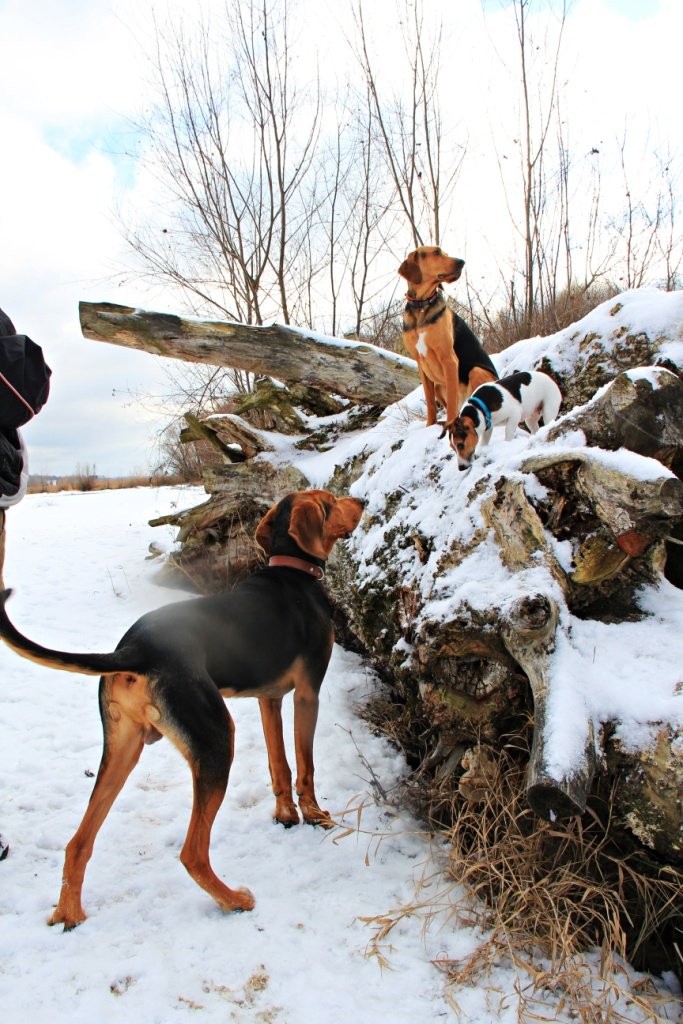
[[274, 407], [640, 410], [519, 532], [217, 537], [257, 479], [231, 429], [360, 372], [460, 675], [203, 430], [622, 501], [481, 771], [529, 634], [651, 801]]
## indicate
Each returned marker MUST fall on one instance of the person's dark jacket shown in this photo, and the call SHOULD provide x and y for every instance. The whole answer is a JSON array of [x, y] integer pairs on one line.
[[12, 476]]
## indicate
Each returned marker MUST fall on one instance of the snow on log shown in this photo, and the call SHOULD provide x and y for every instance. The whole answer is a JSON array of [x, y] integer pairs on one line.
[[641, 410], [479, 596]]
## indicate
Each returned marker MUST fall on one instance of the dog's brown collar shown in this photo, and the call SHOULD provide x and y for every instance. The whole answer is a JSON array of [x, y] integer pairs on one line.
[[414, 303], [289, 562]]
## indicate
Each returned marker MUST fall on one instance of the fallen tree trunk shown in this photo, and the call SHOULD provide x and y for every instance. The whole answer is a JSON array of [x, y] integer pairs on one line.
[[641, 410], [362, 373], [217, 537], [576, 528]]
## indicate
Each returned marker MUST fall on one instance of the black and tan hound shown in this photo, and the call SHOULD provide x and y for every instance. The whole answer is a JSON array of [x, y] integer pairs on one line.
[[451, 359], [168, 676]]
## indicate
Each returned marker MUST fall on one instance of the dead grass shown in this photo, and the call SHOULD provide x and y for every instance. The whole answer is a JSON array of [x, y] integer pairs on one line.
[[564, 887], [559, 906], [90, 483], [598, 989], [508, 325]]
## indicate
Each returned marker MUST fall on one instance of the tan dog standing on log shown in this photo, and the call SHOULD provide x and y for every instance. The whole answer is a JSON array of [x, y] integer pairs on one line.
[[450, 358]]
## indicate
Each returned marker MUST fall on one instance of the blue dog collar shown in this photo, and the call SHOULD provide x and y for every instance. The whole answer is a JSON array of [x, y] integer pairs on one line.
[[473, 400]]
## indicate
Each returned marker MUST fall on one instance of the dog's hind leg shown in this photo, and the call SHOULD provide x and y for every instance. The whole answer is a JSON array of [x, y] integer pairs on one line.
[[305, 719], [551, 406], [123, 743], [511, 428], [280, 772], [206, 738]]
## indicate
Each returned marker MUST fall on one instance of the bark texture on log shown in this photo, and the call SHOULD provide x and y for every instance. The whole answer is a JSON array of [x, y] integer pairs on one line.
[[360, 372], [640, 410], [588, 538], [198, 430], [650, 804], [233, 430], [529, 634], [217, 537]]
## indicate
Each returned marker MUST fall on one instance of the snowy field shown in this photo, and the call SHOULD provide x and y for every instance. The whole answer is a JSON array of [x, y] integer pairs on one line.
[[155, 948]]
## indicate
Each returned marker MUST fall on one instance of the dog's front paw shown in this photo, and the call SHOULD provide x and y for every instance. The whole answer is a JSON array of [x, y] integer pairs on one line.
[[285, 812], [314, 815]]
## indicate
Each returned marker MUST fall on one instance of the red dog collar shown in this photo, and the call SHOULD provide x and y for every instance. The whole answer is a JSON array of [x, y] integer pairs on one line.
[[297, 563]]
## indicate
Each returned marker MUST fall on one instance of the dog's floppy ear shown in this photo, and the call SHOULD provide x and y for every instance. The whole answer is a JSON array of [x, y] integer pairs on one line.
[[264, 530], [410, 270], [307, 526]]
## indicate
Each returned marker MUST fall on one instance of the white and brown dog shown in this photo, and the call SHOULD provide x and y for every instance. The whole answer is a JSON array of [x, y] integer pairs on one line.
[[525, 396]]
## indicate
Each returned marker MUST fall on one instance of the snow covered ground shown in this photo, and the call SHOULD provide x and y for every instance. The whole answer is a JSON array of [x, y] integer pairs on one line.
[[155, 948]]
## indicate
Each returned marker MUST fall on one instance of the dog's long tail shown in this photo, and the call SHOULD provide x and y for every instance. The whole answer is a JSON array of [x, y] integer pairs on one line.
[[90, 664]]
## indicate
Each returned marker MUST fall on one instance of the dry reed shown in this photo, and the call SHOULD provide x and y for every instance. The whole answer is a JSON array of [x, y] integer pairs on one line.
[[559, 905]]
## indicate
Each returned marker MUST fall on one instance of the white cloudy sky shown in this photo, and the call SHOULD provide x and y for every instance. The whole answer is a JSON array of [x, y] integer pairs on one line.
[[72, 74]]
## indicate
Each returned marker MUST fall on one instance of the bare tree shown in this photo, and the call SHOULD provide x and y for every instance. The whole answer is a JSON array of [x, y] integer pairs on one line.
[[569, 260], [371, 222], [231, 141], [647, 236], [538, 106], [410, 126], [670, 240], [554, 201], [335, 225]]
